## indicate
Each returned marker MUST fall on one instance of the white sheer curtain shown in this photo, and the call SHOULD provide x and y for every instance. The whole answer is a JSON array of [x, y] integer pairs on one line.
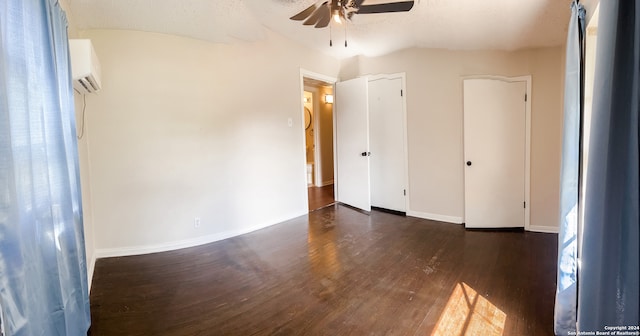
[[43, 283], [566, 293]]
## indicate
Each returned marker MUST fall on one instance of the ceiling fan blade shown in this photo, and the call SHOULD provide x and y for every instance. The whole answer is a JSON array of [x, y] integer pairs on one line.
[[315, 17], [325, 17], [304, 14], [358, 3], [390, 7]]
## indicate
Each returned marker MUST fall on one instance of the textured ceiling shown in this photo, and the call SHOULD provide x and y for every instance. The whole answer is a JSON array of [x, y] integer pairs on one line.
[[448, 24]]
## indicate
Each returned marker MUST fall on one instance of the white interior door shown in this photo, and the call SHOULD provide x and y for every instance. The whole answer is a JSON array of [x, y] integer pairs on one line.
[[387, 144], [494, 153], [352, 143]]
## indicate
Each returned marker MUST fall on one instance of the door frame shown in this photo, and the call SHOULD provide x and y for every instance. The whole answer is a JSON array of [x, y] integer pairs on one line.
[[527, 150], [317, 159], [403, 77], [303, 155]]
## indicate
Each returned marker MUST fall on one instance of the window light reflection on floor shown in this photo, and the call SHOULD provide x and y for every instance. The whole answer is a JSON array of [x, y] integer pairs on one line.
[[467, 313]]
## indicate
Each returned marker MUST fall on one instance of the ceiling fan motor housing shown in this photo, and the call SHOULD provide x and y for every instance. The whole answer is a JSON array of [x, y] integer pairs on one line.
[[320, 13]]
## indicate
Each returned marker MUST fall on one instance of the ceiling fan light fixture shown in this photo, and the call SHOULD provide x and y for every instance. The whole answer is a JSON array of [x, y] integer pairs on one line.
[[322, 12], [336, 17]]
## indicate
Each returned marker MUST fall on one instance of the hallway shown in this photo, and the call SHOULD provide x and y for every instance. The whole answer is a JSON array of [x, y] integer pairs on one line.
[[320, 197]]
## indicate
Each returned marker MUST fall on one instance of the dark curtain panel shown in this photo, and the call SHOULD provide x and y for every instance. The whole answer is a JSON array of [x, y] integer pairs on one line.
[[608, 274]]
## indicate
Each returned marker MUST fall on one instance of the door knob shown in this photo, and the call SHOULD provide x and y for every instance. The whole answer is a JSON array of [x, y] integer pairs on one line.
[[363, 154], [468, 163]]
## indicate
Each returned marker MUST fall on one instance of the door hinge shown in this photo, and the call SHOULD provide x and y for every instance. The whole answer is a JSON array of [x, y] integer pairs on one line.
[[525, 97], [525, 204], [405, 192], [401, 93]]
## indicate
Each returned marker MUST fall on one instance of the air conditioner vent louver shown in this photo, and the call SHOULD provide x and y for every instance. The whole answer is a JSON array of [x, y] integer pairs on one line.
[[85, 67], [88, 84]]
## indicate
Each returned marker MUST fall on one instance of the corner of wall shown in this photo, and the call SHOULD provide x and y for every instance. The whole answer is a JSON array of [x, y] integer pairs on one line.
[[91, 266], [72, 30], [436, 217], [84, 162], [349, 68], [543, 229], [590, 6], [189, 242]]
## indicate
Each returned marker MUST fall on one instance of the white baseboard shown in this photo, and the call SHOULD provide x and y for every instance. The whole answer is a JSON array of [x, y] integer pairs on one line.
[[439, 218], [175, 245], [543, 229], [460, 220]]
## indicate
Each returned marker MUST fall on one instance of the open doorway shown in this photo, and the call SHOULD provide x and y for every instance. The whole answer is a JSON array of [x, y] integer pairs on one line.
[[318, 127]]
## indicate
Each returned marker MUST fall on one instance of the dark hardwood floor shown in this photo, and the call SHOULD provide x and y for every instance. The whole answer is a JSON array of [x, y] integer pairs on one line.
[[335, 272], [320, 197]]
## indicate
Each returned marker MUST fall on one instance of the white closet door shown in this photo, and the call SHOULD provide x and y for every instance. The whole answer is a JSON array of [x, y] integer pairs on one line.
[[386, 129], [352, 143], [494, 153]]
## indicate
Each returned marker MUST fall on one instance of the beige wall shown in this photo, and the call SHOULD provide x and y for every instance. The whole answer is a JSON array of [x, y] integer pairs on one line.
[[546, 66], [434, 120], [434, 117], [184, 128]]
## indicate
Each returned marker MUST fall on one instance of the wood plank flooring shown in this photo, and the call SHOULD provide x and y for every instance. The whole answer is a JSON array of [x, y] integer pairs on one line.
[[320, 197], [335, 272]]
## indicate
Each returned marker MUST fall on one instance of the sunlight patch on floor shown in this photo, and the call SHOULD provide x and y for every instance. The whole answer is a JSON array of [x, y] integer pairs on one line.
[[467, 313]]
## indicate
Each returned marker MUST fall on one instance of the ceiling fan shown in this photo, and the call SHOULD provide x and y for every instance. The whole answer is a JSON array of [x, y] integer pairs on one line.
[[320, 13]]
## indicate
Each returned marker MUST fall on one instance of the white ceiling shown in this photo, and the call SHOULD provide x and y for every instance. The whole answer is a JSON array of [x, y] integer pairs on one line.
[[448, 24]]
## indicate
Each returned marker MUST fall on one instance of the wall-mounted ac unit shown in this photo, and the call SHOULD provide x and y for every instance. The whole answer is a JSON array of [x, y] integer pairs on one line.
[[85, 68]]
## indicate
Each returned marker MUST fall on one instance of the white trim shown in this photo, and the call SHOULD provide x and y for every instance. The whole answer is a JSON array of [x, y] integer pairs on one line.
[[317, 145], [90, 269], [435, 217], [527, 155], [543, 229], [191, 242], [329, 80], [303, 139], [406, 141], [591, 44], [335, 146], [317, 76], [527, 158], [315, 96]]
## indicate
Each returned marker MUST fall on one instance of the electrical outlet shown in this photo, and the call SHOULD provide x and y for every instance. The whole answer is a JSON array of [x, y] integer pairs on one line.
[[196, 222]]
